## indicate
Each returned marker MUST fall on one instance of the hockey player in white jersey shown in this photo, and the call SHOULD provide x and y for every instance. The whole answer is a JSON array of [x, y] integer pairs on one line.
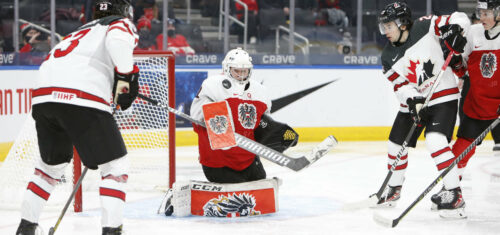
[[411, 61], [78, 80]]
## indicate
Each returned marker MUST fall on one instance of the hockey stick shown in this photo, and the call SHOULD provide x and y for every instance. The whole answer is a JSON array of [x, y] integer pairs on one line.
[[53, 229], [392, 223], [272, 155], [373, 199]]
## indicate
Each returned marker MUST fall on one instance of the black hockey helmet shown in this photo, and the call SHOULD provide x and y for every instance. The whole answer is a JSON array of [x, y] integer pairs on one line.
[[493, 5], [398, 12], [488, 4], [103, 8]]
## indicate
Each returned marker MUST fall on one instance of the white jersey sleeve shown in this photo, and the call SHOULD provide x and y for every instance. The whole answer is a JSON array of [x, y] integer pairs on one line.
[[459, 18], [79, 69], [121, 39]]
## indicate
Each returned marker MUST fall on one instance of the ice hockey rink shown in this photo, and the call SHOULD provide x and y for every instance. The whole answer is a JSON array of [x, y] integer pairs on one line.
[[311, 201]]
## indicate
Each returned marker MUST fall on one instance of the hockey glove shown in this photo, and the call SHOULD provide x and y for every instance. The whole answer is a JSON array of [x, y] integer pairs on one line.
[[415, 106], [126, 88], [275, 135], [452, 38], [456, 62]]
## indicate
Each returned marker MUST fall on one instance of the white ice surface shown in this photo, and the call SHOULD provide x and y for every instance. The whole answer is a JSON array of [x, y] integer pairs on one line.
[[311, 201]]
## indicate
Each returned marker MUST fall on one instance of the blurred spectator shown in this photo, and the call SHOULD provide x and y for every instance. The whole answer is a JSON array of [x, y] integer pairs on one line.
[[253, 10], [34, 40], [210, 8], [61, 14], [330, 14], [307, 4], [146, 39], [176, 43], [275, 4], [147, 8]]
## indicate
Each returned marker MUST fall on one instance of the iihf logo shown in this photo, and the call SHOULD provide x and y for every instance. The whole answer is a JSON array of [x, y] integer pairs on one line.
[[488, 65]]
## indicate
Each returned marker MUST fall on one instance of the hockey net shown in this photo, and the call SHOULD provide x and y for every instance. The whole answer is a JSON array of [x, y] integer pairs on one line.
[[148, 132]]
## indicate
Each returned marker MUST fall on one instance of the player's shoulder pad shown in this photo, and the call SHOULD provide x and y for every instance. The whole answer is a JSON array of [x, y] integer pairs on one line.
[[476, 29], [218, 81], [388, 53], [213, 85], [421, 27]]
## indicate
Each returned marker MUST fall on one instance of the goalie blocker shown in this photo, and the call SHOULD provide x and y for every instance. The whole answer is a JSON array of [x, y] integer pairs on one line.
[[222, 200]]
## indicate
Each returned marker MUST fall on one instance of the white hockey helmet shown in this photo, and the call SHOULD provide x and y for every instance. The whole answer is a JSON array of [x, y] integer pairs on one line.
[[238, 59]]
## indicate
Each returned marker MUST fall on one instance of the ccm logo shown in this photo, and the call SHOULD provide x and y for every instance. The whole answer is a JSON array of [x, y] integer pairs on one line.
[[63, 95], [205, 187]]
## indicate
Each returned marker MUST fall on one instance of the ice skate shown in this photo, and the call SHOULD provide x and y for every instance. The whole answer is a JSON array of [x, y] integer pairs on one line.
[[434, 206], [28, 228], [390, 197], [450, 203], [112, 231]]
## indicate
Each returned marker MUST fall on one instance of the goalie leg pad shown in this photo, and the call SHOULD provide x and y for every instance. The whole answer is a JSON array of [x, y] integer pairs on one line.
[[226, 200], [112, 191]]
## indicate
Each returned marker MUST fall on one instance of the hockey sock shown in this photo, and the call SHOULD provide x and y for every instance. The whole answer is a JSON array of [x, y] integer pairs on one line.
[[458, 148], [437, 144], [400, 169], [112, 191], [39, 188]]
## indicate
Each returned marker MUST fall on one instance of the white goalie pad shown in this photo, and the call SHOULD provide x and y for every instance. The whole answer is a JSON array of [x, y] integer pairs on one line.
[[225, 200]]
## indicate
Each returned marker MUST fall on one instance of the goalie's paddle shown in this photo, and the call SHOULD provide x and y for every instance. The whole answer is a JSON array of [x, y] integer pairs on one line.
[[272, 155]]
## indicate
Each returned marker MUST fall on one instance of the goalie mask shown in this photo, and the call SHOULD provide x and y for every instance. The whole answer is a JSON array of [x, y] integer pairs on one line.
[[103, 8], [237, 65]]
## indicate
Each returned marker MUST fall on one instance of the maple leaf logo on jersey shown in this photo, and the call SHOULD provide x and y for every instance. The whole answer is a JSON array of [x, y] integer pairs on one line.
[[247, 115], [412, 74], [218, 124], [488, 65], [419, 73], [242, 204]]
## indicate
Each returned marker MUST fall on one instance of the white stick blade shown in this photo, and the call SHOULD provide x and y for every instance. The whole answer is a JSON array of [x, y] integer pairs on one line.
[[323, 148], [381, 220], [369, 202]]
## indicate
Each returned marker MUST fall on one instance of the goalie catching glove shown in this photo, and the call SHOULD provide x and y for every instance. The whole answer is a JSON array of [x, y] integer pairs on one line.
[[275, 135], [126, 87]]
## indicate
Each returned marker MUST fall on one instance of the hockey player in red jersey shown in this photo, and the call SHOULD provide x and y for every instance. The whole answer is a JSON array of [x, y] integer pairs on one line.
[[249, 104], [480, 61], [411, 61], [78, 80], [234, 168]]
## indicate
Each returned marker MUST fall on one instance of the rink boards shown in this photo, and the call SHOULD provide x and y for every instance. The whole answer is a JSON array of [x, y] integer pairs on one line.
[[352, 102]]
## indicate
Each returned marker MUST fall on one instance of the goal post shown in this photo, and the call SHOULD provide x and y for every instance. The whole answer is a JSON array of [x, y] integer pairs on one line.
[[148, 132]]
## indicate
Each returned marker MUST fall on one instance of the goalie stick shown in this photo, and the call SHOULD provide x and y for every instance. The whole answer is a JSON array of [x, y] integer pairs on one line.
[[272, 155], [373, 199], [393, 222]]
